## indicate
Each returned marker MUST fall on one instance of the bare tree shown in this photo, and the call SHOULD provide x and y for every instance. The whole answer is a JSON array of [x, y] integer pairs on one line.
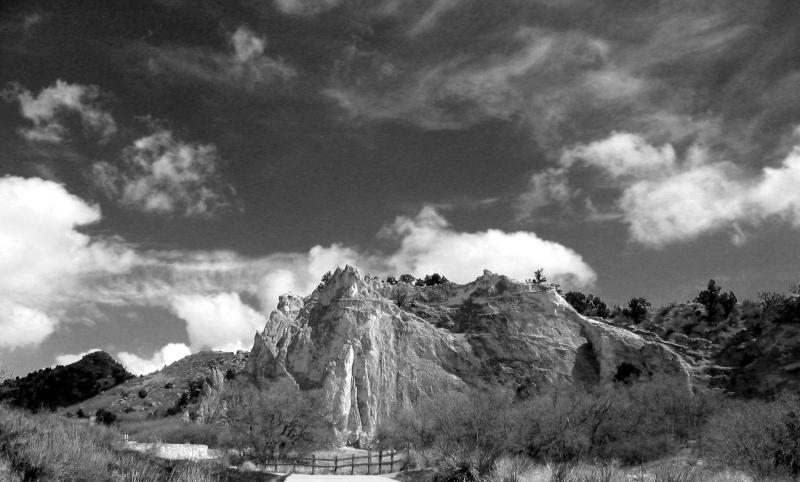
[[277, 420]]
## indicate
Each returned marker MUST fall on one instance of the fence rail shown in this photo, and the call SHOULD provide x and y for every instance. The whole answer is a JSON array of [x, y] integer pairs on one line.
[[385, 461]]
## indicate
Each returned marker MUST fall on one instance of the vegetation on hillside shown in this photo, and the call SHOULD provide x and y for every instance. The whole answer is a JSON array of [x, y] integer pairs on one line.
[[466, 435], [61, 386]]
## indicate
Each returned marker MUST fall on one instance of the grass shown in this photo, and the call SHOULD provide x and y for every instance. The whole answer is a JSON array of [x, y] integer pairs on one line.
[[523, 469], [172, 430], [45, 447]]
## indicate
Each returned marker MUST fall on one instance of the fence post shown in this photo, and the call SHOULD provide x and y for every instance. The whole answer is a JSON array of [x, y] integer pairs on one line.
[[369, 460], [313, 463], [276, 464], [294, 464], [380, 461], [335, 464], [391, 462], [352, 464]]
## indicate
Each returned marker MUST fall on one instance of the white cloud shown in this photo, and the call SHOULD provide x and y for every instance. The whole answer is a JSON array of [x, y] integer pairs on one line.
[[665, 201], [46, 111], [431, 16], [428, 244], [43, 255], [305, 7], [161, 174], [623, 154], [544, 188], [170, 353], [23, 326], [246, 44], [68, 358], [218, 322], [46, 266], [247, 66]]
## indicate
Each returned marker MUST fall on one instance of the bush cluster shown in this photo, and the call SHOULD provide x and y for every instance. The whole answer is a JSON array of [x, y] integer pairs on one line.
[[469, 432]]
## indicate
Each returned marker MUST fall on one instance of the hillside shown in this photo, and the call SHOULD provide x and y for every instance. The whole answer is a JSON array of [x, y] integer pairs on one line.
[[61, 386], [175, 389]]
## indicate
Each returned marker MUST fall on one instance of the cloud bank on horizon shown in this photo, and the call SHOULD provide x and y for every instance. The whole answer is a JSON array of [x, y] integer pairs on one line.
[[195, 165], [201, 288]]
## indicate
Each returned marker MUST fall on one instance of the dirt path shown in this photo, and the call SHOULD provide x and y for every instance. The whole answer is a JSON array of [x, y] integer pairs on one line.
[[339, 478]]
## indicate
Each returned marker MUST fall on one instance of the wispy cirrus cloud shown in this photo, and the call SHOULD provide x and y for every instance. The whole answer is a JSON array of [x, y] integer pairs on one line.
[[245, 65], [305, 7], [49, 111]]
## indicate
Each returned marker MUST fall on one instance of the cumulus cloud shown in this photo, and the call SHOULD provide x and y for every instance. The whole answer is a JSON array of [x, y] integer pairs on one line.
[[623, 155], [170, 353], [429, 244], [665, 200], [161, 174], [23, 326], [68, 358], [42, 254], [218, 322], [48, 110], [46, 265]]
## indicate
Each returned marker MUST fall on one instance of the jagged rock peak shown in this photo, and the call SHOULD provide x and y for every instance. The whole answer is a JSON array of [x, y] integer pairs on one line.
[[372, 347]]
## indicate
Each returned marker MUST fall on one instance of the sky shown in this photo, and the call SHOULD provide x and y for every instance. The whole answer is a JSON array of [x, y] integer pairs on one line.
[[168, 168]]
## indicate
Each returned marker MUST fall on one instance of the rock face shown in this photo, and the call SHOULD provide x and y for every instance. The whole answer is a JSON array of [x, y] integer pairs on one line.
[[370, 346]]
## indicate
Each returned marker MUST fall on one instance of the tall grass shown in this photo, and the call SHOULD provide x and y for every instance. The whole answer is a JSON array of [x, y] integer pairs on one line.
[[174, 430], [44, 447]]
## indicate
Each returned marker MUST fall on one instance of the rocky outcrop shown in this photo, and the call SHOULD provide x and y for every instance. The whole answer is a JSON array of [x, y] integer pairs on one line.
[[371, 346]]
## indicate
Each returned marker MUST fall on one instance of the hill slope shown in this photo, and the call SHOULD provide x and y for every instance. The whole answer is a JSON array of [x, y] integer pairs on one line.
[[175, 389], [65, 385]]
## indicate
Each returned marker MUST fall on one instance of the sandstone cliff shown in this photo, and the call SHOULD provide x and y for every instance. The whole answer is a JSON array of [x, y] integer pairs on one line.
[[369, 345]]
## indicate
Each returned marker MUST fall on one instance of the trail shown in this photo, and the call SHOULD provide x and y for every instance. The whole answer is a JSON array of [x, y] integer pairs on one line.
[[340, 478]]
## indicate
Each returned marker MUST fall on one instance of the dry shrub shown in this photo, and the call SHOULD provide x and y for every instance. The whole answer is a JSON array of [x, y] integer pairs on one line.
[[464, 465], [761, 438], [632, 423], [47, 448], [674, 472], [513, 469]]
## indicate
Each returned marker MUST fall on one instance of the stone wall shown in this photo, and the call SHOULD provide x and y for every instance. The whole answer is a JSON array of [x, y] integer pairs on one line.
[[172, 451]]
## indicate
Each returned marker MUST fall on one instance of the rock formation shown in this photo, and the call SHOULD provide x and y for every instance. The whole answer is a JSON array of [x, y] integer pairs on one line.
[[369, 345]]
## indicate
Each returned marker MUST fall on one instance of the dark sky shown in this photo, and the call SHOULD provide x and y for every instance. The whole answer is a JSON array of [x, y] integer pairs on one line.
[[170, 167]]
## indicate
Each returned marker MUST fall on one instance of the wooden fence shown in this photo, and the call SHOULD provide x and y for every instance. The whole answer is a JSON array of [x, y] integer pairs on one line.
[[384, 461]]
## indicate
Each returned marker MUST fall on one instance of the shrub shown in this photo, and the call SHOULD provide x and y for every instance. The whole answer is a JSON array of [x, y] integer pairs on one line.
[[759, 437], [104, 416], [637, 311], [631, 422], [142, 393], [276, 420], [47, 448], [464, 465]]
